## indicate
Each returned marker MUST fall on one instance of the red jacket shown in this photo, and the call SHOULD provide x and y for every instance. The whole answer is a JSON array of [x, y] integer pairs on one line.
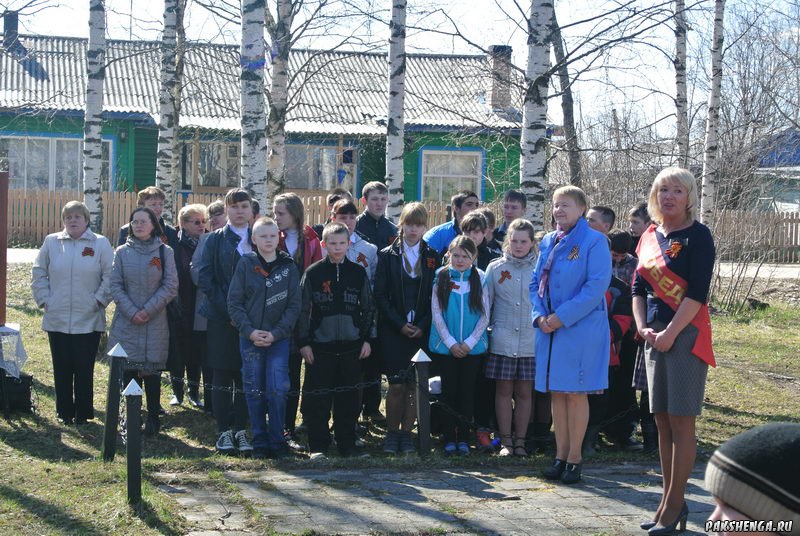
[[311, 252]]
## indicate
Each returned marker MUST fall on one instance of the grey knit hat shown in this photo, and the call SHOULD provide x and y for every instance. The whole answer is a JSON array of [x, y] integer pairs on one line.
[[758, 473]]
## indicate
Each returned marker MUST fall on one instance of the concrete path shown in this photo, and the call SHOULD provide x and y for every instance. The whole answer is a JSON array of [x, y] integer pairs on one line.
[[612, 500]]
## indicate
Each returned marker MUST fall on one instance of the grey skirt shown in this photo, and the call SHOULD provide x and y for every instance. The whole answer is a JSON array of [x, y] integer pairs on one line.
[[676, 379]]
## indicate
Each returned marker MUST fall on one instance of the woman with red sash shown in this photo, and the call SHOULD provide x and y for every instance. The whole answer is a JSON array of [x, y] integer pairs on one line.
[[670, 294]]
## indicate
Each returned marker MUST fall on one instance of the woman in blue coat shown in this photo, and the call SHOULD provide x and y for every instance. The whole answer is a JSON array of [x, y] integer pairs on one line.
[[572, 340]]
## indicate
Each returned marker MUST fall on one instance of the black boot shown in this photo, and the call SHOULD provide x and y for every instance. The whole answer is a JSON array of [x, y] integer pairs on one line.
[[650, 436], [589, 447]]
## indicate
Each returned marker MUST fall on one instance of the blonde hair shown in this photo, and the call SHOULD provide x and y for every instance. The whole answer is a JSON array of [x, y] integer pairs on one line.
[[673, 175], [75, 206], [262, 221], [414, 214], [185, 212], [574, 192]]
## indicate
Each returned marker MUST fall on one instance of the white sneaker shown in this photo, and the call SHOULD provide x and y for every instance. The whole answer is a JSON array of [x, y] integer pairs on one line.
[[225, 443], [242, 443], [317, 456]]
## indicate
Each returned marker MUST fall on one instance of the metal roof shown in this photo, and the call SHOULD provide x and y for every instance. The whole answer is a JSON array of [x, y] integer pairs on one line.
[[333, 92]]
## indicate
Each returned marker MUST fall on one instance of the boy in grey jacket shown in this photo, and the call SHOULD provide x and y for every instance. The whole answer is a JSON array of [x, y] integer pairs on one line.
[[264, 303]]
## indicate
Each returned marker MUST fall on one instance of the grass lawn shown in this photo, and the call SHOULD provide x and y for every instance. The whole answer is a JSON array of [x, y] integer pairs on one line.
[[54, 482]]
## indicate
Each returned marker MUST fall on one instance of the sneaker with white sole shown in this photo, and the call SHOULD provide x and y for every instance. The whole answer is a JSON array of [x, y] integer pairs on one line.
[[317, 456], [243, 444], [225, 443]]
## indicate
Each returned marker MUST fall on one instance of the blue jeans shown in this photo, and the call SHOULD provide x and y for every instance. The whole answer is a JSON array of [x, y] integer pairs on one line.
[[265, 375]]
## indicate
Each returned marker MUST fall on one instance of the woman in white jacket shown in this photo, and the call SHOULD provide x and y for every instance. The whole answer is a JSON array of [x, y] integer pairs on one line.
[[71, 278]]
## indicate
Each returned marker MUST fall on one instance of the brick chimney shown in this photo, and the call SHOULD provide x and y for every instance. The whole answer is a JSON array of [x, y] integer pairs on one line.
[[500, 62], [10, 29]]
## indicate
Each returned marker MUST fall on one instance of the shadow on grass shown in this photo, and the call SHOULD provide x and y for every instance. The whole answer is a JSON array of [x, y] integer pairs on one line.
[[37, 437], [54, 516], [149, 516]]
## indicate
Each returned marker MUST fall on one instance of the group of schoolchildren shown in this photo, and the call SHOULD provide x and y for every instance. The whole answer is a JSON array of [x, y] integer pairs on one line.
[[358, 297]]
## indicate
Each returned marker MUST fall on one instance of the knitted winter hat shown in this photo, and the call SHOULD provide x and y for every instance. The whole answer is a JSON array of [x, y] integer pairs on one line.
[[758, 472]]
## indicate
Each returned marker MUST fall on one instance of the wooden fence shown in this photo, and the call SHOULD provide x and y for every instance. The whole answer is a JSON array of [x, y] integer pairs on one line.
[[32, 215], [758, 235]]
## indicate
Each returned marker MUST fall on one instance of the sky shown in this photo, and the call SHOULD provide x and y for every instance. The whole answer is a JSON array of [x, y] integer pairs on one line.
[[625, 83]]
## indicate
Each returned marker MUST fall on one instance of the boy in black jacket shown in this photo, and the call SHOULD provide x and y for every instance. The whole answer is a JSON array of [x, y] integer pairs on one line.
[[333, 331]]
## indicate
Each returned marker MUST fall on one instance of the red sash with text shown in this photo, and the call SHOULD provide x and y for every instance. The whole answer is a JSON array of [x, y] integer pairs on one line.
[[671, 288]]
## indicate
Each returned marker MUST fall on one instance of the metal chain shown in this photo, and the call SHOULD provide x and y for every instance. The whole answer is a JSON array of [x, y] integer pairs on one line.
[[403, 375]]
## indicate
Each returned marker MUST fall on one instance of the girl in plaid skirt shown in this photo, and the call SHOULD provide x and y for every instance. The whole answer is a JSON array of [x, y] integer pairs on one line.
[[511, 346]]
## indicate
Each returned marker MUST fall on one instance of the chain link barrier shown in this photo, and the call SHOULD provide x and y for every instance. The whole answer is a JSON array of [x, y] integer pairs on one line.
[[406, 376]]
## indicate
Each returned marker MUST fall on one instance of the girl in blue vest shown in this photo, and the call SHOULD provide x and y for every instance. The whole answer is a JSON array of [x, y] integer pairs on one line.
[[458, 342]]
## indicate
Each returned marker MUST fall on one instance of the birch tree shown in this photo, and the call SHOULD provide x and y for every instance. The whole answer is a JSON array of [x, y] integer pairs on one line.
[[395, 124], [280, 32], [168, 119], [681, 97], [253, 114], [567, 106], [710, 171], [93, 120], [533, 140]]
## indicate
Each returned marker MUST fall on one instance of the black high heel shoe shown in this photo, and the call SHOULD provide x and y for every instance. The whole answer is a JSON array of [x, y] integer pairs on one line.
[[555, 471], [572, 473], [673, 527], [647, 525]]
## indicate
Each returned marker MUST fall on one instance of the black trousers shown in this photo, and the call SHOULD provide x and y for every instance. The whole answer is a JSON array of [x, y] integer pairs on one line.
[[458, 394], [371, 371], [73, 372], [293, 400], [188, 359], [623, 410], [334, 366], [152, 389], [230, 409]]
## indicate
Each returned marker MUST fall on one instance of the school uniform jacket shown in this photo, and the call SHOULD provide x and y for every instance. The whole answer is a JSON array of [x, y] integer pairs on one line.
[[389, 288]]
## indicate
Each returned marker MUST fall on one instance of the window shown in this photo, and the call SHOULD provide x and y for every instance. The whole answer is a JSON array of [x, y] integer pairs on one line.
[[217, 164], [445, 173], [312, 167], [37, 163]]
